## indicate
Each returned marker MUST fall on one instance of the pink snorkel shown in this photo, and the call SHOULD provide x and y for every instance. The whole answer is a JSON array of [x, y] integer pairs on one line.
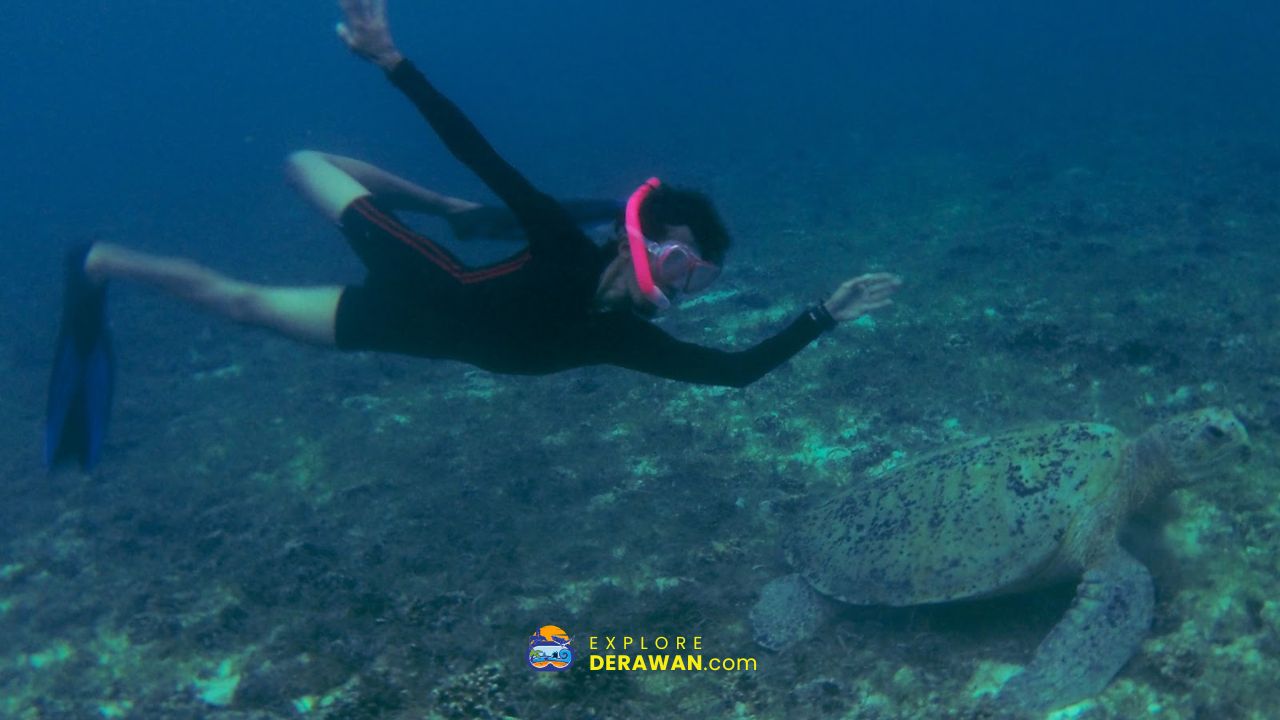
[[639, 248]]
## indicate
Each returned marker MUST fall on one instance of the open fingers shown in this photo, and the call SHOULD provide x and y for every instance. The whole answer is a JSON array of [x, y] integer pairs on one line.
[[876, 279], [876, 295], [361, 7], [351, 8], [344, 33], [875, 288], [364, 13]]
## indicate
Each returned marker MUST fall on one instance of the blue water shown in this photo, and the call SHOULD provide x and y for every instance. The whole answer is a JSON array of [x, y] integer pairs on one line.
[[175, 106], [1084, 198]]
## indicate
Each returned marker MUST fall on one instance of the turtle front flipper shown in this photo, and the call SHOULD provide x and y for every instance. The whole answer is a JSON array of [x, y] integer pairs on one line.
[[787, 612], [1105, 626]]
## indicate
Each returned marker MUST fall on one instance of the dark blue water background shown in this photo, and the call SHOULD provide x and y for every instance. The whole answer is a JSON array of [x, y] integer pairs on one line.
[[137, 115]]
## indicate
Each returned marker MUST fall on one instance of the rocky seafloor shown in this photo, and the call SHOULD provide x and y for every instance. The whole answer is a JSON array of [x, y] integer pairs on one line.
[[283, 533]]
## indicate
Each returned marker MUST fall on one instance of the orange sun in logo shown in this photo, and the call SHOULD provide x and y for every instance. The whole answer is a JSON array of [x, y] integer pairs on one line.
[[549, 649]]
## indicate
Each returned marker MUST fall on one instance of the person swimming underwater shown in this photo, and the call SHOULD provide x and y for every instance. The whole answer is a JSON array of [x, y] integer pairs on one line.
[[561, 302]]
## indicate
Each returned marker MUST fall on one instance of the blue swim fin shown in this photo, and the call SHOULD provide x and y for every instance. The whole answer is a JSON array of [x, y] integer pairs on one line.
[[84, 370]]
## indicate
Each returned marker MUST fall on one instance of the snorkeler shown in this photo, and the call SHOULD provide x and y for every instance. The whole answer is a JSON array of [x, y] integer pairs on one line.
[[561, 302]]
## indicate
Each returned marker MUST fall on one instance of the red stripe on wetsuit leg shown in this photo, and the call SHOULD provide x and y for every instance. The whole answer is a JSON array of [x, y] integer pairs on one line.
[[421, 244], [433, 252]]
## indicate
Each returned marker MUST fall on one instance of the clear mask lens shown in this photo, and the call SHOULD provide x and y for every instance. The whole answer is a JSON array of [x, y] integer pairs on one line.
[[676, 266]]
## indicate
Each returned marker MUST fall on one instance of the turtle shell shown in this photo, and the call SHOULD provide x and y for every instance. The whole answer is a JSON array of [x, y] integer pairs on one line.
[[978, 518]]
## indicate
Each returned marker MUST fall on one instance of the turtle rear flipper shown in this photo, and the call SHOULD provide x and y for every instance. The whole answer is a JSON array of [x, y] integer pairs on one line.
[[788, 611], [1111, 614]]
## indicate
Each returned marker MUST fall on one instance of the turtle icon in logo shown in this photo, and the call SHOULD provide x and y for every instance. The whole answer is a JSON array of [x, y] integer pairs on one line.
[[549, 650]]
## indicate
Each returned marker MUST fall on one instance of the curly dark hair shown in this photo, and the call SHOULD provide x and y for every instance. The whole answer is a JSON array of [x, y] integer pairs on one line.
[[668, 205]]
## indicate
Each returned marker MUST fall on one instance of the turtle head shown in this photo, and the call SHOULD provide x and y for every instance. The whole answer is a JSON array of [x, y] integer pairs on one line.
[[1197, 445]]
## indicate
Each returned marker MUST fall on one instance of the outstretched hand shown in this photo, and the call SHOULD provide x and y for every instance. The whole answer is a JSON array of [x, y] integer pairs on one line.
[[859, 296], [366, 32]]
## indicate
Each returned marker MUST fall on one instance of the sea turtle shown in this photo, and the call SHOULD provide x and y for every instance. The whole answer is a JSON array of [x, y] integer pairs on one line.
[[1003, 514]]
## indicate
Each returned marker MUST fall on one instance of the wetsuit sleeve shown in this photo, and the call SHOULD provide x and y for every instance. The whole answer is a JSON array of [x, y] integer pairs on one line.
[[648, 349], [542, 218]]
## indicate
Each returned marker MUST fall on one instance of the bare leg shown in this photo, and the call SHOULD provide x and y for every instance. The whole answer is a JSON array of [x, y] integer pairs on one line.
[[305, 314], [331, 182]]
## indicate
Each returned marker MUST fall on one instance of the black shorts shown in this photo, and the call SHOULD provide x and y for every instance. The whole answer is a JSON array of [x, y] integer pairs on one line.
[[416, 291]]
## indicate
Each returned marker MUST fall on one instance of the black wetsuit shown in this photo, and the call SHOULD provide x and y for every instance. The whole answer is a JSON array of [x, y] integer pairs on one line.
[[533, 313]]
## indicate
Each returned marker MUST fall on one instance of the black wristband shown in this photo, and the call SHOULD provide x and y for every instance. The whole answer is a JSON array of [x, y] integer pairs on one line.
[[820, 315]]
